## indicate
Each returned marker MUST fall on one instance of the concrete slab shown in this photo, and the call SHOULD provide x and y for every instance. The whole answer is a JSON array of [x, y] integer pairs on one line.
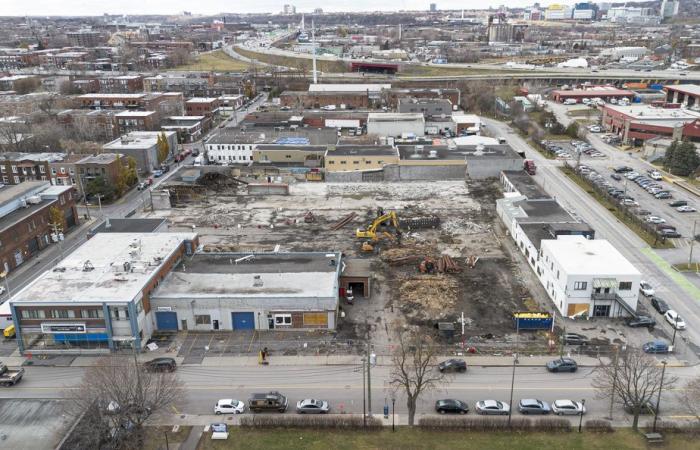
[[29, 424]]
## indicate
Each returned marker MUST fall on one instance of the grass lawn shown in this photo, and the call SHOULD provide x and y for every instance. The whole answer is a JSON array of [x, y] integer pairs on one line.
[[409, 439], [294, 63], [155, 436], [641, 232], [215, 61]]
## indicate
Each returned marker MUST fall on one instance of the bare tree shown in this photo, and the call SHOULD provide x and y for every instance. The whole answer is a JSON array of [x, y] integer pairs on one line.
[[632, 380], [414, 368], [114, 400], [690, 398]]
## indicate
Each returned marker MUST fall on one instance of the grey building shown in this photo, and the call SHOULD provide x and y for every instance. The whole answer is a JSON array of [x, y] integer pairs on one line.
[[428, 106], [143, 147], [247, 291]]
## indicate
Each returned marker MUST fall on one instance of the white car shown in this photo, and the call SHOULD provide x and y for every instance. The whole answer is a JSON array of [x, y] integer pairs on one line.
[[674, 319], [568, 407], [655, 219], [646, 289], [229, 406], [686, 208], [492, 407]]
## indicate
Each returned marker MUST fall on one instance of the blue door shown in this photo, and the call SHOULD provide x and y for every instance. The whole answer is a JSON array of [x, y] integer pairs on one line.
[[166, 320], [243, 320]]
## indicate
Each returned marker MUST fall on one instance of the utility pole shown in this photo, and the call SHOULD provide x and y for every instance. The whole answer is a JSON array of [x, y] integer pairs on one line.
[[692, 241], [369, 380], [512, 385], [658, 399], [612, 394], [364, 405], [313, 49]]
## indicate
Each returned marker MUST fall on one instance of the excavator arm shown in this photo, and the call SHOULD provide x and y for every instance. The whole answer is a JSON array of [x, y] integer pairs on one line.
[[371, 231]]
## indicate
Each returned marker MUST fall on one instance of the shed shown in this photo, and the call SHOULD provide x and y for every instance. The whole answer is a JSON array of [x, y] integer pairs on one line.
[[356, 275]]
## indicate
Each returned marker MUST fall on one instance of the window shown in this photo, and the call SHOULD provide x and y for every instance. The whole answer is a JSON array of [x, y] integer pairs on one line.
[[3, 169], [5, 180], [283, 320], [119, 313], [139, 307], [16, 179], [42, 169], [625, 286], [317, 319], [368, 162], [356, 162], [91, 313], [14, 169], [63, 171], [62, 314], [557, 274], [53, 171], [204, 319], [580, 285], [341, 162], [32, 314]]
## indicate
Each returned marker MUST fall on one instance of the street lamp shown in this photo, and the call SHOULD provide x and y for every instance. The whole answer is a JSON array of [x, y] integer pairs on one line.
[[393, 417], [580, 420], [512, 384], [658, 399], [675, 329]]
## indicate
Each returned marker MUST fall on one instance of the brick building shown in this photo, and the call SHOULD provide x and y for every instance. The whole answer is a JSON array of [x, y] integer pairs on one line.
[[203, 106], [25, 224], [16, 168], [123, 84], [128, 121]]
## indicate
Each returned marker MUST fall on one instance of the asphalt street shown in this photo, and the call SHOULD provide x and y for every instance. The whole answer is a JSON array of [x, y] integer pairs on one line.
[[342, 386], [606, 226]]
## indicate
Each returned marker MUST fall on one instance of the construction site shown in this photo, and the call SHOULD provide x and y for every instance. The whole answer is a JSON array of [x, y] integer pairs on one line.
[[434, 252]]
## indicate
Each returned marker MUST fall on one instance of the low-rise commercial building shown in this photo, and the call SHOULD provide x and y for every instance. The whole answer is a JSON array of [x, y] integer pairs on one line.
[[637, 123], [686, 94], [128, 121], [396, 124], [188, 128], [203, 106], [25, 222], [344, 158], [16, 168], [603, 92], [143, 147], [98, 298], [250, 291]]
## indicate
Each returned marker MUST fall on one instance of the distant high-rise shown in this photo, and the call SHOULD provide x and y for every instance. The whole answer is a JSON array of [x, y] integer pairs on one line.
[[289, 9], [669, 8], [318, 11], [433, 7]]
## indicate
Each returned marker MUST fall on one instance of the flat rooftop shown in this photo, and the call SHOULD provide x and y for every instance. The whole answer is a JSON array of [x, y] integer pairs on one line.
[[348, 87], [72, 280], [135, 114], [542, 211], [597, 257], [525, 184], [600, 91], [394, 117], [359, 150], [106, 96], [255, 275], [538, 232], [129, 226], [11, 192], [647, 113], [20, 214], [102, 158], [691, 89]]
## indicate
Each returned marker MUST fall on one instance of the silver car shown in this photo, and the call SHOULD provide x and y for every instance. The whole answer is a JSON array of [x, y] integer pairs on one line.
[[312, 406], [492, 407], [568, 407]]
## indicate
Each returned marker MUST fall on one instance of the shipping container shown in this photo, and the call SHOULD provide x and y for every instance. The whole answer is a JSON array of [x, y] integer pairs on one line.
[[532, 320]]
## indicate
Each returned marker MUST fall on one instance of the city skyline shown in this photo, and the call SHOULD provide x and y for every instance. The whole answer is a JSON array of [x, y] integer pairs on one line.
[[161, 7]]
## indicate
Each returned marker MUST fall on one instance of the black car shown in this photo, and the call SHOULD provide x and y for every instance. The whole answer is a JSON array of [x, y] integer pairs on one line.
[[678, 203], [562, 365], [641, 321], [452, 406], [647, 408], [622, 169], [659, 305], [575, 339], [160, 365], [453, 365], [615, 177]]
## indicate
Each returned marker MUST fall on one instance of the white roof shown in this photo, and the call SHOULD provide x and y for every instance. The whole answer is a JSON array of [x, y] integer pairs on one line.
[[692, 89], [134, 96], [348, 87], [393, 117], [580, 256], [475, 140], [465, 118], [648, 112], [135, 113], [202, 100], [69, 282]]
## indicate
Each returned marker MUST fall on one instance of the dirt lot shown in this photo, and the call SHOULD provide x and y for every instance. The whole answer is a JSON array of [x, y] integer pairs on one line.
[[486, 293]]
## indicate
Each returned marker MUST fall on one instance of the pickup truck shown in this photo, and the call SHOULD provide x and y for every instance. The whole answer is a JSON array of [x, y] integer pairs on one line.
[[271, 401], [10, 377]]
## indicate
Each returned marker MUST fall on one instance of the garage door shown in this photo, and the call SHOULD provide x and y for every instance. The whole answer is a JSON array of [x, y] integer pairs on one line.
[[166, 320], [243, 320]]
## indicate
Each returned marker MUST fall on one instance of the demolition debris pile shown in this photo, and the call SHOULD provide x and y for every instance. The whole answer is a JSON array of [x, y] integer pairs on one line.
[[428, 297]]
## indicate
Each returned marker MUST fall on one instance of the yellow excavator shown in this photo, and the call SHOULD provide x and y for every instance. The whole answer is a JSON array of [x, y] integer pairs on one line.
[[368, 245], [371, 231]]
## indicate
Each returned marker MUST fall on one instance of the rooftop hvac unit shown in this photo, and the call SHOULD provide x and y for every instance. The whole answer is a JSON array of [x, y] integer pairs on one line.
[[433, 154], [257, 281], [34, 200]]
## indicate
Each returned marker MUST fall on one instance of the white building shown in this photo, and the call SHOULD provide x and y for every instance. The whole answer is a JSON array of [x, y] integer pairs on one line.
[[396, 124], [557, 12], [669, 8], [143, 147], [588, 277], [629, 14], [617, 53]]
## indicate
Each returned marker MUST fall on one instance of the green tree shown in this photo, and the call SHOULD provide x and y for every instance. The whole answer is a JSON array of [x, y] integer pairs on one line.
[[572, 130], [99, 186], [670, 153], [683, 159]]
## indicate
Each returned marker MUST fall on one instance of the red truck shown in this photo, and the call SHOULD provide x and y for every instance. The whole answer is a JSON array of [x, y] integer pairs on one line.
[[529, 166]]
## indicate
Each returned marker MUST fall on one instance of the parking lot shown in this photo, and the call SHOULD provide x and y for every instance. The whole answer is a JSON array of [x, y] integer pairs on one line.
[[571, 150]]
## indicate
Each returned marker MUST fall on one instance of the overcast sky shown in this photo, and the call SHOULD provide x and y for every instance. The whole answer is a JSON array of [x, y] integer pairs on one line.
[[99, 7]]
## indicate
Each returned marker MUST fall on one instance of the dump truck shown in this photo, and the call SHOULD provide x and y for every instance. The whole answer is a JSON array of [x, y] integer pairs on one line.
[[10, 377], [529, 166]]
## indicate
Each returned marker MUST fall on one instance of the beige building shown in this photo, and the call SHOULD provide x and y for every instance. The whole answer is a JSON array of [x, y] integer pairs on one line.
[[286, 155], [349, 158]]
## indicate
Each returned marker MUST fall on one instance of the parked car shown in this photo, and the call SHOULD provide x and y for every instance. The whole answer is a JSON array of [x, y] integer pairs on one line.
[[685, 209], [312, 406], [229, 406], [615, 177], [670, 233], [562, 365], [453, 365], [674, 319], [655, 219], [663, 195], [657, 346], [492, 407], [678, 203], [142, 186], [161, 365], [575, 339], [568, 407], [659, 305], [158, 173], [533, 406], [269, 401], [452, 406], [641, 321], [622, 169], [647, 408], [646, 289]]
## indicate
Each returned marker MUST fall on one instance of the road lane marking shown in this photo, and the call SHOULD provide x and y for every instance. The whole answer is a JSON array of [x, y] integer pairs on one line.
[[677, 277]]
